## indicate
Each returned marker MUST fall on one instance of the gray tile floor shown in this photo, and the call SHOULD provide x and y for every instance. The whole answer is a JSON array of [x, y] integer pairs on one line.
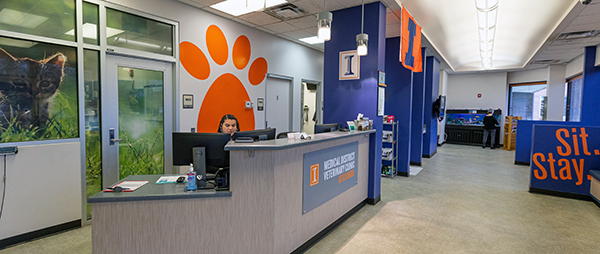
[[466, 200]]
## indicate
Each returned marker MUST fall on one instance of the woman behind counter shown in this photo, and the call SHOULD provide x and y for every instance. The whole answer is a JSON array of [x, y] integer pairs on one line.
[[229, 124]]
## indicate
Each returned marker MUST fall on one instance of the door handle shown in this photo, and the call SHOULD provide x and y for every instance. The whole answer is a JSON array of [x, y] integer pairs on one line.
[[111, 134]]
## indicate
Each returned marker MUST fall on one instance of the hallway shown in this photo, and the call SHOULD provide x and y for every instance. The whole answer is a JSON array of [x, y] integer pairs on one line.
[[465, 200]]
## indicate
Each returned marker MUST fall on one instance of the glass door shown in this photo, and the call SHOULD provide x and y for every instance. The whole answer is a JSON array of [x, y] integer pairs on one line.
[[133, 113]]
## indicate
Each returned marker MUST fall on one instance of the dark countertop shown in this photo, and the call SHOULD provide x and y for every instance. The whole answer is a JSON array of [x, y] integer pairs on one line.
[[284, 143], [153, 191]]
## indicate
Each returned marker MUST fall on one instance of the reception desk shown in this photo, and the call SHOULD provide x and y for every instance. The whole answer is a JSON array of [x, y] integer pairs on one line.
[[263, 211]]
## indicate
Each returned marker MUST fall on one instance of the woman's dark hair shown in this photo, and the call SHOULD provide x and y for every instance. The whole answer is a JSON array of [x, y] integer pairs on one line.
[[228, 117]]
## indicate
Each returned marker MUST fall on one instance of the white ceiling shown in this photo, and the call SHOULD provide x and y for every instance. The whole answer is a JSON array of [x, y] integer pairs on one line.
[[527, 34]]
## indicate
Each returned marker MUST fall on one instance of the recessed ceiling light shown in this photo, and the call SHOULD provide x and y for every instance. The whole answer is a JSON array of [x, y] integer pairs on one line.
[[22, 19], [312, 40], [89, 31], [238, 7]]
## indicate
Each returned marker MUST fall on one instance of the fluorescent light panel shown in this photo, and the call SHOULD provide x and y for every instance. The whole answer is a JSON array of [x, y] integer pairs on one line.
[[239, 7], [22, 19], [312, 40]]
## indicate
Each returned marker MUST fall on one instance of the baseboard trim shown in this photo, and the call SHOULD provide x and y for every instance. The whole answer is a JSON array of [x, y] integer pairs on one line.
[[522, 163], [415, 163], [312, 241], [373, 201], [561, 194], [405, 174], [38, 233], [429, 155]]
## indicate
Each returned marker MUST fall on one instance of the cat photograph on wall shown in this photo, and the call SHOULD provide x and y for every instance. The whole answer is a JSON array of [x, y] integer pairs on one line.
[[28, 89]]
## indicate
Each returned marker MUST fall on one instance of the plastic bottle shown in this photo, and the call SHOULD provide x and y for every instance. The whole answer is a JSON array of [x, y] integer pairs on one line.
[[191, 179]]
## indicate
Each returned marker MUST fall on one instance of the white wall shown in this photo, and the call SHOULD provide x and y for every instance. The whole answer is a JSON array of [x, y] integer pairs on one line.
[[283, 57], [43, 187], [463, 89], [556, 93], [575, 67], [528, 76]]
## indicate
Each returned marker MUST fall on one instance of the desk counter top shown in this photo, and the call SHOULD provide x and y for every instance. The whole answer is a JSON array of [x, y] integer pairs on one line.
[[153, 191], [284, 143]]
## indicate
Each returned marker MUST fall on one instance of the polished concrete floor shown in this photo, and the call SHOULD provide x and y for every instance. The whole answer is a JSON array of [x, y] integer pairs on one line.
[[465, 200]]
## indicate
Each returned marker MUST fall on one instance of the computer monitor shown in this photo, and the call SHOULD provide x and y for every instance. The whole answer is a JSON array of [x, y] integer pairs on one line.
[[214, 144], [254, 134], [328, 127]]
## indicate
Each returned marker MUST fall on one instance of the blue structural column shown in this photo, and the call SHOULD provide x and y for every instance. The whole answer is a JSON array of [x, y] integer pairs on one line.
[[590, 102], [432, 91], [344, 99], [416, 140], [398, 100]]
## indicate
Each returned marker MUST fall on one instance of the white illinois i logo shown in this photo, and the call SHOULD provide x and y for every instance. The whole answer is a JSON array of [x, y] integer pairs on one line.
[[349, 65], [314, 174]]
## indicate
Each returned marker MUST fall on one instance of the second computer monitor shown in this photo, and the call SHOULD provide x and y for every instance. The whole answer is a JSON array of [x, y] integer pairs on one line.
[[328, 127], [256, 134]]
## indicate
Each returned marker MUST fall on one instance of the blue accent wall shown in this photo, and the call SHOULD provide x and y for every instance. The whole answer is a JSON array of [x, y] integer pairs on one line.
[[432, 92], [590, 100], [398, 100], [525, 134], [416, 140], [343, 100]]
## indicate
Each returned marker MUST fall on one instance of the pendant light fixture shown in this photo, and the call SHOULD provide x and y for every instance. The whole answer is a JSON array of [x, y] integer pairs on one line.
[[362, 39], [324, 19]]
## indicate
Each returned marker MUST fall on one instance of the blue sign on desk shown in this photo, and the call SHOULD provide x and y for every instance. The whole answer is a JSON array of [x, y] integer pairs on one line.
[[562, 157], [328, 173]]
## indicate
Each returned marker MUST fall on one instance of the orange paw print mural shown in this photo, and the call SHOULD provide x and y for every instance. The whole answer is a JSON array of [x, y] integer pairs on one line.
[[227, 94]]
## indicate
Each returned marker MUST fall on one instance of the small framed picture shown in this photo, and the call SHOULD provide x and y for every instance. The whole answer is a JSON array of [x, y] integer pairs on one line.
[[188, 101]]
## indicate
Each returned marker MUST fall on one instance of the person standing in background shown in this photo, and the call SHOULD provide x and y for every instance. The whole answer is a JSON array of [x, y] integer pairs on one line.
[[489, 129]]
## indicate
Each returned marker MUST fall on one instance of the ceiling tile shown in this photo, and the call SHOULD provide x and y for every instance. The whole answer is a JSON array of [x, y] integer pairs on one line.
[[587, 19], [281, 27], [298, 34], [310, 6], [390, 18], [207, 2], [392, 30], [259, 18], [304, 22], [581, 27], [192, 3]]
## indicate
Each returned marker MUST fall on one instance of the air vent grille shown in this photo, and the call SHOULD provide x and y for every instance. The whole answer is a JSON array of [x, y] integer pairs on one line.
[[578, 35], [285, 11]]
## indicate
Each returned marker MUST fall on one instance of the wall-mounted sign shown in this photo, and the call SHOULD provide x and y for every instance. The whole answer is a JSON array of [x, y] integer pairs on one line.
[[188, 101], [380, 100], [349, 65], [260, 104], [328, 173], [562, 157], [381, 78]]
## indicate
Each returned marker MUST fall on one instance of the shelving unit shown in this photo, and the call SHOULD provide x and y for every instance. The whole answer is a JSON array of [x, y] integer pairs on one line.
[[510, 132], [389, 161]]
